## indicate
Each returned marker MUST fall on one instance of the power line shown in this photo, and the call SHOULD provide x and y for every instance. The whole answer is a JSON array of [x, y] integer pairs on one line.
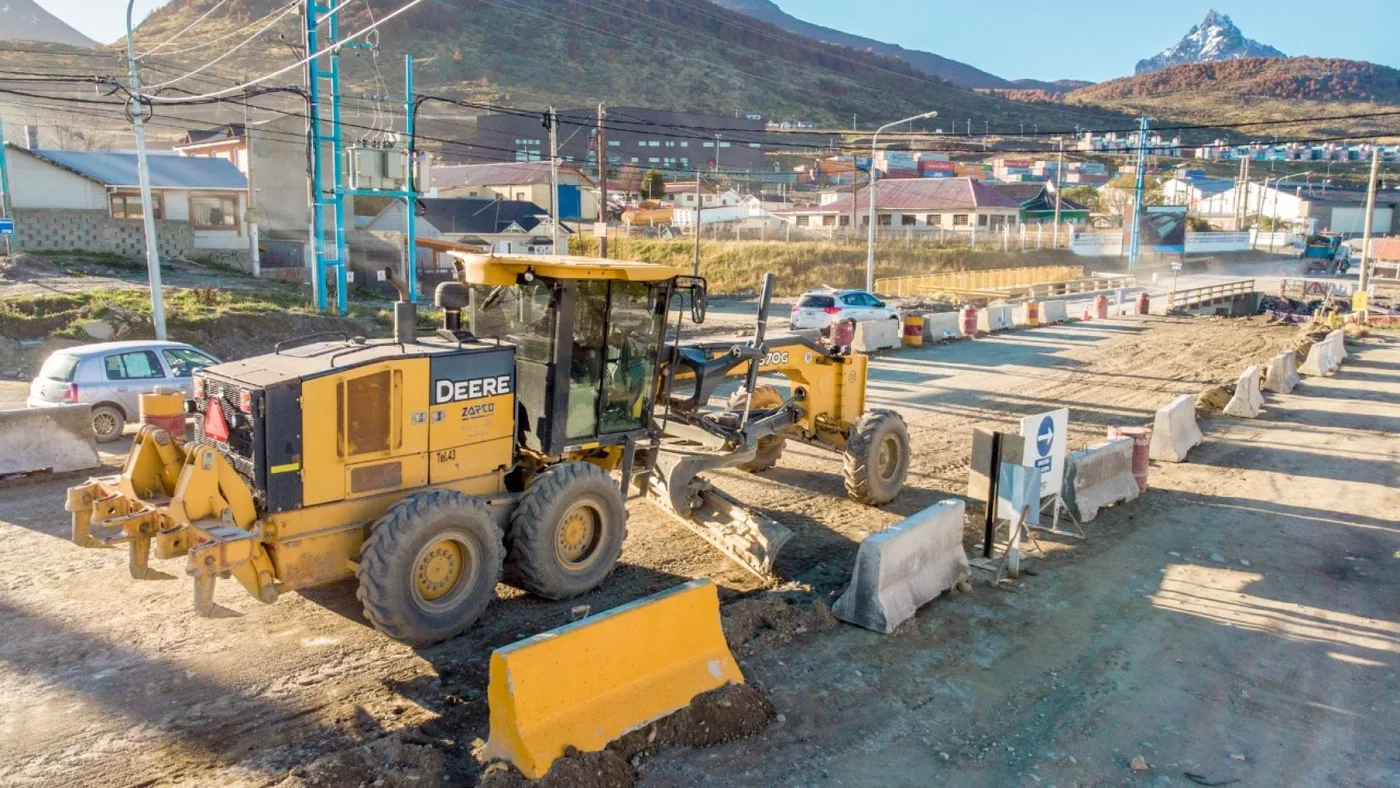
[[187, 29], [231, 33], [235, 48]]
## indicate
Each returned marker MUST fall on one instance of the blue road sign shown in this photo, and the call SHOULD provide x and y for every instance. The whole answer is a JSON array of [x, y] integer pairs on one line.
[[1045, 436], [7, 226]]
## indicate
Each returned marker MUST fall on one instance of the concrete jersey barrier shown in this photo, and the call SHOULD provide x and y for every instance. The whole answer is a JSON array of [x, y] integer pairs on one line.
[[942, 325], [1174, 431], [1338, 339], [873, 335], [904, 567], [1319, 362], [1053, 312], [1247, 403], [625, 667], [1282, 376], [994, 318], [1099, 476], [54, 439]]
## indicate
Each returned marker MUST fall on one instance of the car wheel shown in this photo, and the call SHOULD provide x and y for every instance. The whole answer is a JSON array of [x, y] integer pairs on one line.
[[108, 423]]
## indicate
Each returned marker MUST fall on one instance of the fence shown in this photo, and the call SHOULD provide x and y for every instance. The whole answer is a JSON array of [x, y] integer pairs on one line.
[[1202, 296], [904, 286], [1020, 238]]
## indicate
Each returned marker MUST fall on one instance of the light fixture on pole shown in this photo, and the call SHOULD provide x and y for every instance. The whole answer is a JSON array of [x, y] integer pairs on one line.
[[870, 247], [144, 175]]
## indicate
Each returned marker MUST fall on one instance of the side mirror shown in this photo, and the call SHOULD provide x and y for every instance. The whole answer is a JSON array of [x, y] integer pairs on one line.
[[699, 303]]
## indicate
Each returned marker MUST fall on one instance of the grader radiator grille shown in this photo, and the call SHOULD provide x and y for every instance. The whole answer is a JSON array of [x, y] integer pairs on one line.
[[239, 450]]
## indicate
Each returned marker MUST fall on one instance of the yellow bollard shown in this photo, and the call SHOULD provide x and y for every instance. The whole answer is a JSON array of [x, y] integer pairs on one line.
[[1032, 313], [914, 330]]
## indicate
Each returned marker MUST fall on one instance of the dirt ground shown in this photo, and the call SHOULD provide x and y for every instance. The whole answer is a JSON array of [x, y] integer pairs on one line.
[[116, 682]]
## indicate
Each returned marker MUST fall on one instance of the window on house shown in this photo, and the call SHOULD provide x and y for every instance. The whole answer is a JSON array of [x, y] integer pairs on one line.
[[128, 206], [801, 221], [755, 145], [685, 144], [828, 221], [641, 143], [707, 144], [614, 143], [981, 220], [885, 219], [654, 160], [670, 143], [655, 143], [959, 220], [845, 221], [908, 220], [218, 212], [935, 219], [724, 145]]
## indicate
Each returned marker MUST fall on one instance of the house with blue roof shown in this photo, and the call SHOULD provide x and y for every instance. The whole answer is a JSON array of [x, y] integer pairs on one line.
[[91, 201]]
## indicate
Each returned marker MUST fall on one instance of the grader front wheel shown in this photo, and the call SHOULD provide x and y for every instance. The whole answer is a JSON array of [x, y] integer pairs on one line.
[[877, 457], [430, 566]]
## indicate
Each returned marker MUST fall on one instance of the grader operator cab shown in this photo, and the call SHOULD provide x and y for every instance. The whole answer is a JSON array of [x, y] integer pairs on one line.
[[504, 445]]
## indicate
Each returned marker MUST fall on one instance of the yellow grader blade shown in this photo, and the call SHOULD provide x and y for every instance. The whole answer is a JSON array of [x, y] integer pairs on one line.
[[750, 540]]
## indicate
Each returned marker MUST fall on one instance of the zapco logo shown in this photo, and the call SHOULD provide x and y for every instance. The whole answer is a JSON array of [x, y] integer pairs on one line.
[[445, 391]]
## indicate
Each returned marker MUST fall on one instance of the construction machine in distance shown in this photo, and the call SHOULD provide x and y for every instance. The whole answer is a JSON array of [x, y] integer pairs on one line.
[[1324, 253], [504, 445]]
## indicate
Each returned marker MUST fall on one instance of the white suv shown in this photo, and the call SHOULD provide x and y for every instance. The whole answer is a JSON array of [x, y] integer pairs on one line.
[[824, 308]]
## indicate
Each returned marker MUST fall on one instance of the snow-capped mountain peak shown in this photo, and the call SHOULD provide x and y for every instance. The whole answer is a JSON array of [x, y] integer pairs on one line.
[[1215, 38]]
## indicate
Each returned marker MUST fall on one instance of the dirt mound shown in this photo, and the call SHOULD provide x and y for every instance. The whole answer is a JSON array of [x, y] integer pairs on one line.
[[387, 763], [730, 713], [753, 625], [26, 267], [1214, 400]]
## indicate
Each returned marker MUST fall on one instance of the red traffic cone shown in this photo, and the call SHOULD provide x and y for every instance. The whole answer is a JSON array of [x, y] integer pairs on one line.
[[1088, 314]]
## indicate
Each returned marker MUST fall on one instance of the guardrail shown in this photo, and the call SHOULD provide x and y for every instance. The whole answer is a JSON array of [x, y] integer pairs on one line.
[[1085, 285], [1202, 296], [904, 286]]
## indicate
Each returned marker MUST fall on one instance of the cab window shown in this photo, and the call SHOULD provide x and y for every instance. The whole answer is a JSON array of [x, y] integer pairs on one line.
[[586, 358], [636, 318], [184, 362]]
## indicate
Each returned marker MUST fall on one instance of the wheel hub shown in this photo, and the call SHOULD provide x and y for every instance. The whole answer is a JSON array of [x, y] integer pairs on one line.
[[438, 569], [578, 534], [887, 459], [103, 423]]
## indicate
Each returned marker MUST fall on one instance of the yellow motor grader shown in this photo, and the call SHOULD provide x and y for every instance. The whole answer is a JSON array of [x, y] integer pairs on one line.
[[505, 444]]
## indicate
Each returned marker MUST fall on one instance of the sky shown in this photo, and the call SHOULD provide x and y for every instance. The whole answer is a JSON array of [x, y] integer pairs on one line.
[[1100, 40], [1103, 40]]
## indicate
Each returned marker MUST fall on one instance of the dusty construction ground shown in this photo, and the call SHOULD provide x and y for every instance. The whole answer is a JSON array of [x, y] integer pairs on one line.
[[114, 682]]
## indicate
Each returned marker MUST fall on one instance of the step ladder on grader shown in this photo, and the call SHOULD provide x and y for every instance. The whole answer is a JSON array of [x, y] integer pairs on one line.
[[503, 445]]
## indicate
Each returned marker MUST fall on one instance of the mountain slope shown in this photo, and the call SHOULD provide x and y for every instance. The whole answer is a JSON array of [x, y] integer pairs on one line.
[[26, 20], [669, 54], [927, 62], [1300, 78], [1216, 38]]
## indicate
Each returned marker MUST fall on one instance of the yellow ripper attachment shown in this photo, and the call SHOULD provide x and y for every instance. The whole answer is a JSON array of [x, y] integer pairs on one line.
[[589, 682], [187, 500]]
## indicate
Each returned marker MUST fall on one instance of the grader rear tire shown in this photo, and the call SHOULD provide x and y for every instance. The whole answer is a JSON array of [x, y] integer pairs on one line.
[[566, 535], [770, 448], [430, 566], [877, 457]]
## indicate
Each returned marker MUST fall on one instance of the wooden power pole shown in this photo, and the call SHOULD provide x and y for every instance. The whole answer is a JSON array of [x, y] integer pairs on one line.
[[1369, 226], [602, 183]]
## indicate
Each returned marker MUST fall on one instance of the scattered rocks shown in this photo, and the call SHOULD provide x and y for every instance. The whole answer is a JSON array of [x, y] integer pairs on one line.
[[1217, 558], [1138, 764], [753, 625], [1244, 562], [388, 762]]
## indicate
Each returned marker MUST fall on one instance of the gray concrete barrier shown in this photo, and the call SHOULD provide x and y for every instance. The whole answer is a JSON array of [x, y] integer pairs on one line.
[[47, 439], [1053, 312], [1282, 376], [1099, 476], [942, 325], [1248, 402], [1338, 339], [904, 567], [875, 335], [1174, 431], [994, 318], [1319, 362]]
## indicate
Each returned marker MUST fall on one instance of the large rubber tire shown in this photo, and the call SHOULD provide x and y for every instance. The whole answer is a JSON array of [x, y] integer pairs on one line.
[[877, 457], [566, 535], [108, 423], [406, 550], [770, 448]]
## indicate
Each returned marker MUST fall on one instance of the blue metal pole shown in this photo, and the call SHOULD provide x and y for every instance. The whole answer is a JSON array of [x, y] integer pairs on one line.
[[318, 219], [5, 188], [1135, 242], [342, 266], [411, 257]]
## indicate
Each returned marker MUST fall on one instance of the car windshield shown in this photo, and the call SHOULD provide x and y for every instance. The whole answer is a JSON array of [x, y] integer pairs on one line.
[[59, 367], [816, 301]]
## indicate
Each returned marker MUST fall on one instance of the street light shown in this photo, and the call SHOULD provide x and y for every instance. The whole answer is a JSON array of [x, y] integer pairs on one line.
[[144, 174], [870, 247]]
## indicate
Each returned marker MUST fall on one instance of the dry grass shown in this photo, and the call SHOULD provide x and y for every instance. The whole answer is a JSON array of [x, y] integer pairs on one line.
[[736, 266]]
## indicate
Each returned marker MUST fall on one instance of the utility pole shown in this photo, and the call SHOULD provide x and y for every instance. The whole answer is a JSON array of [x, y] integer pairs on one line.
[[251, 221], [553, 126], [144, 174], [603, 181], [5, 188], [1059, 187], [1134, 245], [1370, 220], [695, 268]]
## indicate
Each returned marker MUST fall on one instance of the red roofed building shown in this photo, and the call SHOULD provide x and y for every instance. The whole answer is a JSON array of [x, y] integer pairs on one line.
[[917, 204]]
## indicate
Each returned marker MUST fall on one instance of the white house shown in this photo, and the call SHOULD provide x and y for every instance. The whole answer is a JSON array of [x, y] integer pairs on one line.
[[927, 204], [91, 200]]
